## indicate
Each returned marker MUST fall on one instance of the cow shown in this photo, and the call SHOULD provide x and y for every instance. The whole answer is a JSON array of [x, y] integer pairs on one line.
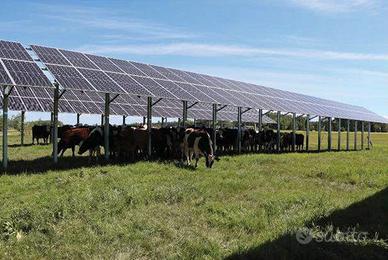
[[40, 132], [63, 129], [92, 143], [299, 141], [71, 138], [198, 142]]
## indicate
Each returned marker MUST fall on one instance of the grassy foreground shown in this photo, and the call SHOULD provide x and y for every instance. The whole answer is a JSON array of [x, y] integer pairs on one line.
[[247, 206]]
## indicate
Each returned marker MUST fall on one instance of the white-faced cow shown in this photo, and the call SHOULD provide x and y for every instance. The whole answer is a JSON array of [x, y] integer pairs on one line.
[[197, 142]]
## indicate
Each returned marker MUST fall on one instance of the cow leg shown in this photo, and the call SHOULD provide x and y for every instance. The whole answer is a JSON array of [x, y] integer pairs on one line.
[[196, 160]]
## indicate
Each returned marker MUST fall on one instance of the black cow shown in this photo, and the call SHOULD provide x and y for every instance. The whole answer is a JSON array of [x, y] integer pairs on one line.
[[40, 132]]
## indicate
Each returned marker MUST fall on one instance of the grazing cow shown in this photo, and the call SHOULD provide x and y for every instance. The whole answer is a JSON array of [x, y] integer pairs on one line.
[[92, 143], [40, 131], [228, 140], [71, 138], [248, 140], [198, 142], [63, 129]]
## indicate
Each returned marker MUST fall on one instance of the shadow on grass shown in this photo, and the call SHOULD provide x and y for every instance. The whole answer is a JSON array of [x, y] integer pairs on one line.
[[369, 215]]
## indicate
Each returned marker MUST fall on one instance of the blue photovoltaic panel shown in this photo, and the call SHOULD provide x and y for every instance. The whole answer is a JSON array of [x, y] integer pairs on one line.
[[196, 92], [101, 81], [153, 87], [104, 63], [78, 59], [147, 70], [127, 67], [50, 55], [26, 73], [69, 77], [167, 73], [176, 89], [13, 50], [4, 78], [128, 84]]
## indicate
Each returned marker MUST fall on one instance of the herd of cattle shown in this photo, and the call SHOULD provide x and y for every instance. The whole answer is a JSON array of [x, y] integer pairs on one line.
[[167, 142]]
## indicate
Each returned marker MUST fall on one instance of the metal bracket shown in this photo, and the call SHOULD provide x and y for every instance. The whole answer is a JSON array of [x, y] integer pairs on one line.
[[8, 90], [156, 102], [311, 118], [192, 105], [113, 99], [61, 94], [286, 113], [302, 115], [266, 113], [219, 109], [246, 110]]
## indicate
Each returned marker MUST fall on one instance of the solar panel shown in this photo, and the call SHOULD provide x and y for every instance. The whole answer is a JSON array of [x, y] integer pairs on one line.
[[154, 87], [26, 73], [128, 84], [13, 50], [104, 63], [78, 59], [4, 78], [127, 67], [69, 77], [50, 55], [147, 70], [101, 81], [179, 92]]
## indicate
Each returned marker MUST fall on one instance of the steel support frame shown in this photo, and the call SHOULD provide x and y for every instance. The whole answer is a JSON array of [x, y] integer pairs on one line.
[[55, 123], [106, 126], [6, 92], [329, 129], [214, 128], [149, 126], [307, 132], [278, 131], [362, 135], [355, 135], [293, 131], [184, 114], [239, 137], [78, 116], [319, 132], [22, 128], [260, 120], [369, 140], [124, 123], [339, 134], [348, 135]]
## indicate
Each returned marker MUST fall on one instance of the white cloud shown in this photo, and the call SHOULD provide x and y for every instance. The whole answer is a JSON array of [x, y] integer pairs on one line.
[[335, 6], [118, 24], [217, 50]]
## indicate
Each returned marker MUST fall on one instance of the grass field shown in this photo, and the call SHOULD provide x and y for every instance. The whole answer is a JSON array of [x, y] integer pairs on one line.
[[247, 206]]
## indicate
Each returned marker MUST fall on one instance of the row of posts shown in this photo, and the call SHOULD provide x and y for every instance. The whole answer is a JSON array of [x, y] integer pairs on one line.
[[215, 109]]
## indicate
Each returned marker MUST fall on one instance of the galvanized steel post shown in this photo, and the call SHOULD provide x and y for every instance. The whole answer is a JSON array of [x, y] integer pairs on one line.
[[278, 132], [106, 126], [149, 126], [307, 132], [22, 128], [319, 133], [355, 135], [55, 123], [239, 130], [339, 134], [214, 128], [347, 135], [329, 134]]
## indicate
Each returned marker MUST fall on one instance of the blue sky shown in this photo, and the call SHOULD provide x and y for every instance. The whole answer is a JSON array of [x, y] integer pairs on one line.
[[335, 49]]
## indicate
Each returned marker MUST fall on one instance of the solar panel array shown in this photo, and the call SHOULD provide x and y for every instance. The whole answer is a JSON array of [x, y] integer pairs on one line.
[[90, 73]]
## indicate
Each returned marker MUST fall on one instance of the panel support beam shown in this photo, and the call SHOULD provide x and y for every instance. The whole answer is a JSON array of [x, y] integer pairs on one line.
[[369, 140], [319, 132], [106, 126], [266, 113], [348, 135], [355, 135], [6, 92], [214, 128], [184, 113], [307, 132], [329, 128], [339, 134], [239, 137], [278, 131], [362, 135], [219, 109], [260, 120], [195, 103], [293, 131], [149, 126], [22, 128], [55, 123]]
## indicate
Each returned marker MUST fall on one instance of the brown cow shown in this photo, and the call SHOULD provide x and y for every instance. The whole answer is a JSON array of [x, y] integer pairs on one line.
[[71, 138]]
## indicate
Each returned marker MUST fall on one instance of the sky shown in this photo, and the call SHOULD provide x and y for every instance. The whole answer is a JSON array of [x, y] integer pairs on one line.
[[334, 49]]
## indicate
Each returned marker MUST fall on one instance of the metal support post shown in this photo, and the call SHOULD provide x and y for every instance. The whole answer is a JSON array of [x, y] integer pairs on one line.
[[102, 120], [347, 135], [106, 126], [55, 123], [239, 130], [22, 128], [362, 135], [184, 113], [260, 120], [78, 115], [214, 128], [355, 135], [307, 132], [149, 126], [278, 132], [369, 140], [329, 122], [6, 93], [339, 134], [293, 131], [319, 132], [124, 117]]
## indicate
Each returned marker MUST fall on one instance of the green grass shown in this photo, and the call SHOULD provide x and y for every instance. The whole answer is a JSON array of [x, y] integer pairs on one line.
[[246, 205]]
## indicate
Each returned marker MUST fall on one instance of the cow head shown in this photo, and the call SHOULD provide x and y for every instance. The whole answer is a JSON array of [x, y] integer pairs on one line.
[[94, 140], [206, 146]]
